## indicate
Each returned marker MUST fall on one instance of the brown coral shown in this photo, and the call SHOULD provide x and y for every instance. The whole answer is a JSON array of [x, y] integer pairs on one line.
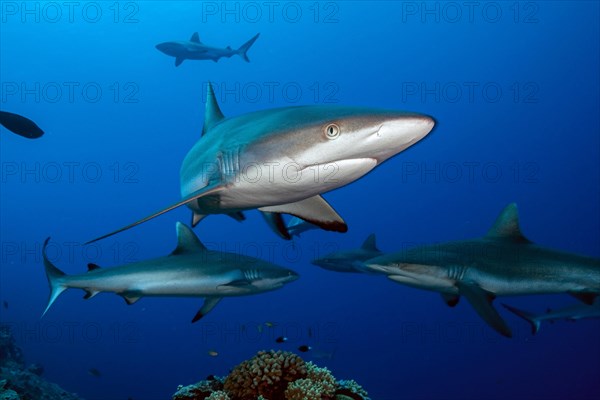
[[267, 374]]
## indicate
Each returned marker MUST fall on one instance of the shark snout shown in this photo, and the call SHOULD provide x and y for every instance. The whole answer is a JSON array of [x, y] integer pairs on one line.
[[166, 47], [408, 129], [290, 276]]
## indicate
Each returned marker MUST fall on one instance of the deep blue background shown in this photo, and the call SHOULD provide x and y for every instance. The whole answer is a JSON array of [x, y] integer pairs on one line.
[[397, 342]]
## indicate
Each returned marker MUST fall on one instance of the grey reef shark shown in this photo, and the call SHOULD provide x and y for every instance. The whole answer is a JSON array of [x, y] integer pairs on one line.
[[191, 270], [571, 313], [281, 160], [194, 49], [502, 263], [350, 260]]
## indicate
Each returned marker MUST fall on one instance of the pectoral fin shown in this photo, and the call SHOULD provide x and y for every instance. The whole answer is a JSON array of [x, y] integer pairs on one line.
[[277, 224], [450, 299], [314, 210], [240, 283], [481, 301], [585, 297], [178, 61], [207, 190], [209, 304]]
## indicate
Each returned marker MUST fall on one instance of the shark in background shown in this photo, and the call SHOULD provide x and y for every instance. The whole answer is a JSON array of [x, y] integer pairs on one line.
[[571, 313], [20, 125], [191, 270], [502, 263], [350, 260], [281, 160], [194, 49]]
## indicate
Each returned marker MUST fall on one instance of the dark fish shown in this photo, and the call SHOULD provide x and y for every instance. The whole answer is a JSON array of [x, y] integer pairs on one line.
[[304, 348], [94, 372], [20, 125], [211, 378], [281, 339], [5, 304]]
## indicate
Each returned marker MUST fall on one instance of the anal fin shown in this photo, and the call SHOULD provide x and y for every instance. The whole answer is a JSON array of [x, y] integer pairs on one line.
[[481, 301], [131, 297], [90, 293]]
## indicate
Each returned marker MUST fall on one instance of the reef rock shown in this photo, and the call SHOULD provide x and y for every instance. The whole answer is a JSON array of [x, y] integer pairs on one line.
[[18, 382]]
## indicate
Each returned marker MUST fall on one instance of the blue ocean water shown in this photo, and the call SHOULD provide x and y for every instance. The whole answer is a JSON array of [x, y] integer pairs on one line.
[[514, 89]]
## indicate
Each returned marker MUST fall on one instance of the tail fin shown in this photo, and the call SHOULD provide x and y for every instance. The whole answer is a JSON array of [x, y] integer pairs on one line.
[[242, 51], [54, 276], [529, 317]]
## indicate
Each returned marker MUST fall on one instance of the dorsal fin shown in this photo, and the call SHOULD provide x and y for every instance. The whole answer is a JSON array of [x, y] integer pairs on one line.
[[195, 38], [370, 244], [507, 227], [92, 266], [212, 112], [187, 241]]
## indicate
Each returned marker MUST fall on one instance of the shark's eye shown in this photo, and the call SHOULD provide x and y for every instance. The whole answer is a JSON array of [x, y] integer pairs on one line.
[[332, 131]]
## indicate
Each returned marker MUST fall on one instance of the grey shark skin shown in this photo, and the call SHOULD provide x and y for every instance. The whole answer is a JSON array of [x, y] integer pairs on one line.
[[194, 49], [350, 260], [191, 270], [281, 160], [572, 313], [502, 263]]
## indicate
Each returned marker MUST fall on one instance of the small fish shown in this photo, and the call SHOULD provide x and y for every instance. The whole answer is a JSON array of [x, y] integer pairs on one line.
[[211, 378], [94, 372], [281, 339], [213, 353], [5, 304], [259, 328], [304, 348], [269, 324]]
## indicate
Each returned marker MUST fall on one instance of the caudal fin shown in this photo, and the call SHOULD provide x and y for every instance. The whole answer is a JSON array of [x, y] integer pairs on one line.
[[529, 317], [243, 50], [54, 276]]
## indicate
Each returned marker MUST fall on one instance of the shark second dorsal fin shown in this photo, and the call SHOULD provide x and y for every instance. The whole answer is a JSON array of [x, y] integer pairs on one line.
[[195, 38], [370, 244], [92, 267], [187, 241], [507, 227], [212, 112]]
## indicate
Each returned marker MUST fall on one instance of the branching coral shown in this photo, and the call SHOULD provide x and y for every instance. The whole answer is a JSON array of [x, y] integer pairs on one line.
[[219, 395], [274, 375], [199, 391], [318, 385], [267, 374], [350, 387]]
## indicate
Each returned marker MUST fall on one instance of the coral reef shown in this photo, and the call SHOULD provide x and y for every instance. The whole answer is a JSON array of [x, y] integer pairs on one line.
[[274, 375], [201, 390], [267, 374], [18, 382]]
